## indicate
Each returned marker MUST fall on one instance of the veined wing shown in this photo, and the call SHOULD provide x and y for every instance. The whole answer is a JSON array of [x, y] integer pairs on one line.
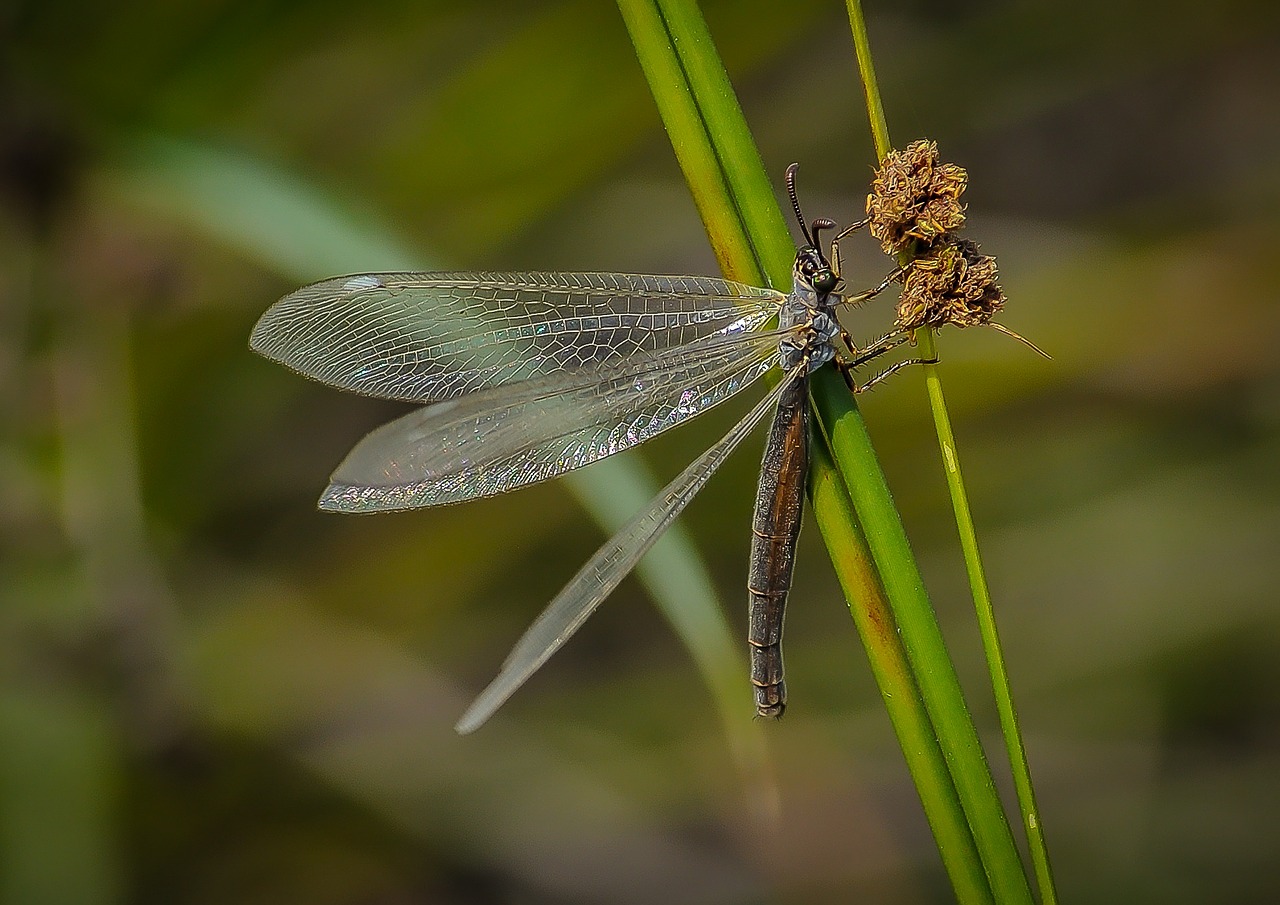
[[424, 337], [502, 438], [605, 570]]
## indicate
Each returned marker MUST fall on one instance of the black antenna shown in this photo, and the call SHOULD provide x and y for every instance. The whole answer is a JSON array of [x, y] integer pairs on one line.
[[795, 202]]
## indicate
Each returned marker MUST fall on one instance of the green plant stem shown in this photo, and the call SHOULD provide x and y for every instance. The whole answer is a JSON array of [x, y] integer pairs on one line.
[[705, 124], [927, 653], [867, 74], [1001, 688], [703, 166], [750, 189], [834, 514], [964, 522]]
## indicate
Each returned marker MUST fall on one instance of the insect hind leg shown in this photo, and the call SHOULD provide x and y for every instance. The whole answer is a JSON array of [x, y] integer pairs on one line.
[[879, 347], [894, 369]]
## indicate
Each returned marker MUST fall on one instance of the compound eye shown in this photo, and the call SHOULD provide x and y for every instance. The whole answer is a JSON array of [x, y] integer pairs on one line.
[[826, 281]]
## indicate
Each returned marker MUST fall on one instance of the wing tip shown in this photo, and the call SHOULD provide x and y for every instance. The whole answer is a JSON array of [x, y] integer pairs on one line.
[[363, 499], [328, 499], [270, 336], [479, 711], [343, 498], [258, 338]]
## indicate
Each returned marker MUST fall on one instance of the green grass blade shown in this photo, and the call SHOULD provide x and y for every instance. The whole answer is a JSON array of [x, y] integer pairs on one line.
[[707, 130], [867, 75], [1001, 689], [703, 168], [926, 651], [991, 836], [873, 617], [731, 141]]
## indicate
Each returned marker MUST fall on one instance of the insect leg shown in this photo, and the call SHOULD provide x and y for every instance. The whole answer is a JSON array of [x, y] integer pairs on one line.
[[878, 347], [884, 344], [835, 244], [893, 369], [862, 297]]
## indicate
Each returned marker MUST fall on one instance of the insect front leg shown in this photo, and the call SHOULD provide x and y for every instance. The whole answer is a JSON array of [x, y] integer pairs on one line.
[[866, 296], [835, 244]]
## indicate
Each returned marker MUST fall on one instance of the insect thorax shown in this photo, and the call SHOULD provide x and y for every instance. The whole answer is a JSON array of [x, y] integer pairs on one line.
[[813, 315]]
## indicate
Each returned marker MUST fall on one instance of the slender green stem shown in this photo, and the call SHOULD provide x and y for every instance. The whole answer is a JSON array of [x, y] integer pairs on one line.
[[1000, 685], [964, 523], [930, 663], [698, 108], [867, 73], [921, 636]]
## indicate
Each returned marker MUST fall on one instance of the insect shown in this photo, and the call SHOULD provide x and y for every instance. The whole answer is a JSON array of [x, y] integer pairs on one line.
[[526, 376]]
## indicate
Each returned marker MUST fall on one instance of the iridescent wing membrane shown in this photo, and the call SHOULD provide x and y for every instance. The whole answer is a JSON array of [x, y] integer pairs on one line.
[[424, 337], [532, 374], [605, 570]]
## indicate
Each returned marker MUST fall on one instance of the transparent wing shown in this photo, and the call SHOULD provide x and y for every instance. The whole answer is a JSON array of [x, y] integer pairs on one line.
[[610, 564], [424, 337], [502, 438]]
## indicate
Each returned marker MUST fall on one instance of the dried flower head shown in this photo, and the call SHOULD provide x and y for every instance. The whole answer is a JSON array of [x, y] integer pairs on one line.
[[915, 198], [953, 284]]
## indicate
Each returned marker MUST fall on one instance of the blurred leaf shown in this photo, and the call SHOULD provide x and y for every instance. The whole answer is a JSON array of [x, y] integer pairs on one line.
[[59, 815], [262, 211]]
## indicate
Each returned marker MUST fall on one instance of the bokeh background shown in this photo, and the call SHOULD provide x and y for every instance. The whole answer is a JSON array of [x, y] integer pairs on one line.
[[211, 693]]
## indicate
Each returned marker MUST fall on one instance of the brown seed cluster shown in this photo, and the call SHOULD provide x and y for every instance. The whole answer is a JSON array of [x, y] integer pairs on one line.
[[914, 209], [915, 198], [952, 284]]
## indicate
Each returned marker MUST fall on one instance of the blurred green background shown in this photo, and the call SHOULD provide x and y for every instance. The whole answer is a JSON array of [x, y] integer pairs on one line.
[[210, 692]]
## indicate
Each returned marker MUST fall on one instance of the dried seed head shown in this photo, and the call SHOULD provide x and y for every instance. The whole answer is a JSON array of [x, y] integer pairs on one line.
[[915, 198], [953, 284]]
